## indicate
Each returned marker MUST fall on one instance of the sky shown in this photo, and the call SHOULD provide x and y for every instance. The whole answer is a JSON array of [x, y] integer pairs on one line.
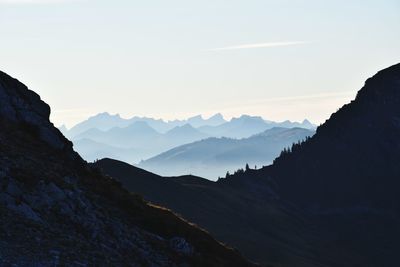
[[278, 59]]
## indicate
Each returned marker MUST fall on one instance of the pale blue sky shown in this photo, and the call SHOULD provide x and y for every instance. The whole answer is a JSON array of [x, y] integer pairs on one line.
[[173, 59]]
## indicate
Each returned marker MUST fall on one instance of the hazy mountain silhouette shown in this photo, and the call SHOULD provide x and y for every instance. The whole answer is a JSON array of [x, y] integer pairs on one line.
[[289, 124], [56, 210], [198, 121], [331, 201], [102, 121], [184, 134], [138, 137], [246, 126], [105, 121], [213, 157], [149, 137]]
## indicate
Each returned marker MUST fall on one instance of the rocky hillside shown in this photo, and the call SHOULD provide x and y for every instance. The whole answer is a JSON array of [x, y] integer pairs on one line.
[[56, 210]]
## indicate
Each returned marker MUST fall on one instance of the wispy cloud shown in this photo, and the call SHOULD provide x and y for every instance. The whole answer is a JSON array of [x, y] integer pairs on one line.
[[258, 45]]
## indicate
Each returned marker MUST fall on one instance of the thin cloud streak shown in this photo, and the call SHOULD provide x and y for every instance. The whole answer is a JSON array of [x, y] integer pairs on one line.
[[259, 45]]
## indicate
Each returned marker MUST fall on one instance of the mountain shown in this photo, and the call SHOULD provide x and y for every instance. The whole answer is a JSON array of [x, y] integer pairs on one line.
[[58, 211], [289, 124], [332, 200], [198, 121], [134, 142], [363, 142], [184, 134], [213, 157], [149, 137], [133, 135], [241, 127], [102, 121], [246, 126], [105, 121]]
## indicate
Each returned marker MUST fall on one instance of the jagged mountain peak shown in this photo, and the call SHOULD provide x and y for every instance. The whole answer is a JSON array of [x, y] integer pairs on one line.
[[217, 116]]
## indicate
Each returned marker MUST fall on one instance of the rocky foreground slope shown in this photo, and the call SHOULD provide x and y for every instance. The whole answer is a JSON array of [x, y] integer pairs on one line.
[[55, 210]]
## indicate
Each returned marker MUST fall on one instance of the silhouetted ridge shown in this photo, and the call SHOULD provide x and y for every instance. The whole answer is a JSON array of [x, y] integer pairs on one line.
[[353, 158]]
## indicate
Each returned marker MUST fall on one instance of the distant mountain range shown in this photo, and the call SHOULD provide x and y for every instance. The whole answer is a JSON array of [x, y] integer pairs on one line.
[[213, 157], [105, 121], [216, 125], [106, 135], [138, 137], [246, 126]]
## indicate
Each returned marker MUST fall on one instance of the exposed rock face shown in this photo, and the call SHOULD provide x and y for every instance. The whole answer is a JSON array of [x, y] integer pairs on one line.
[[56, 210], [22, 106]]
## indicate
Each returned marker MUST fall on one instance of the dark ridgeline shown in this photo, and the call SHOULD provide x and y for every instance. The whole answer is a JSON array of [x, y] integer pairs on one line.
[[354, 158], [332, 200], [57, 211]]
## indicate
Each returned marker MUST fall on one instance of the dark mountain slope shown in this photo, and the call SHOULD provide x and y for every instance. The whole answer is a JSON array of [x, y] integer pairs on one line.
[[332, 201], [238, 212], [356, 152], [56, 210], [347, 176]]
